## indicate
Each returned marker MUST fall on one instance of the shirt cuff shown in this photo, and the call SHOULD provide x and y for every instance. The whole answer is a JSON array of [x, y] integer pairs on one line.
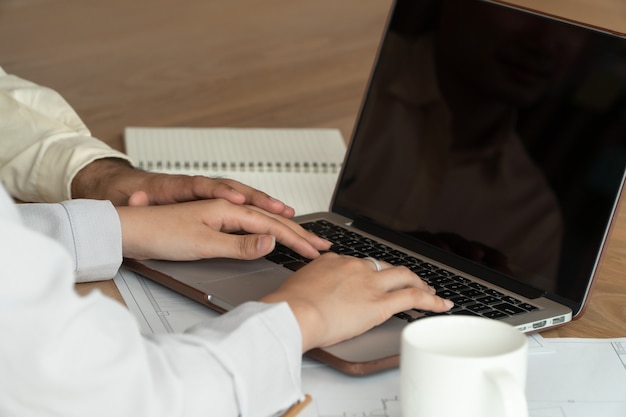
[[89, 230], [260, 346]]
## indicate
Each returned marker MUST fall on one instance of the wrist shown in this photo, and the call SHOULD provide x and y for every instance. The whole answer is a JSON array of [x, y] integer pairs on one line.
[[98, 180], [308, 317], [130, 224]]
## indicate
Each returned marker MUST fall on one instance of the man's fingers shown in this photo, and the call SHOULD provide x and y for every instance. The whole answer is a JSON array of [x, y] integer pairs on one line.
[[260, 199], [169, 188]]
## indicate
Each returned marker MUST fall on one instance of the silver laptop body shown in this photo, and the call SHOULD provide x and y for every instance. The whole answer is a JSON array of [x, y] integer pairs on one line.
[[488, 157]]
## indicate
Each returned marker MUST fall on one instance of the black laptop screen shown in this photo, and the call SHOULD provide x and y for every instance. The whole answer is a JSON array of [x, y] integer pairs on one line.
[[494, 134]]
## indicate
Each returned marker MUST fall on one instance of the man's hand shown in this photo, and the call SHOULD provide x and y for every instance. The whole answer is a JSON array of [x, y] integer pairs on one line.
[[117, 181]]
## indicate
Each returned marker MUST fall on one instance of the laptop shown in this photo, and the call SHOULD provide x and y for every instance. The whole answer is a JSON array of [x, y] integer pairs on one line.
[[488, 157]]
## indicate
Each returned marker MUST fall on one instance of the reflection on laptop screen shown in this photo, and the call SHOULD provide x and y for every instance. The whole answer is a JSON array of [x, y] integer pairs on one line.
[[496, 135]]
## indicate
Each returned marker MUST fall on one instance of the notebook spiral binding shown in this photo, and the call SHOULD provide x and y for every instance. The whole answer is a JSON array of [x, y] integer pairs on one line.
[[241, 166]]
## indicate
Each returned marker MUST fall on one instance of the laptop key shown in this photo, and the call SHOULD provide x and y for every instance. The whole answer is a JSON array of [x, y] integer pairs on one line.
[[527, 307], [432, 275], [494, 293], [460, 300], [457, 286], [404, 316], [510, 300], [465, 313], [351, 243], [280, 258], [445, 293], [365, 248], [463, 280], [437, 279], [341, 250], [478, 308], [314, 227], [397, 253], [378, 254], [494, 314], [413, 260], [471, 293], [294, 266], [489, 300], [395, 261], [508, 308], [478, 286]]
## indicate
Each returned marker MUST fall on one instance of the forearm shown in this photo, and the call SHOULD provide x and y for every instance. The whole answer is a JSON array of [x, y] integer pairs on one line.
[[100, 180]]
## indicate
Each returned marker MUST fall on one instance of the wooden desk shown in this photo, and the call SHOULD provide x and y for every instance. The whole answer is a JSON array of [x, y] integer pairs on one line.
[[241, 63]]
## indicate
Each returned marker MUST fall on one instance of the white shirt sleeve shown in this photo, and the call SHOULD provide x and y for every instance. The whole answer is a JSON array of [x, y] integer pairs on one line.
[[67, 355], [89, 230], [43, 142]]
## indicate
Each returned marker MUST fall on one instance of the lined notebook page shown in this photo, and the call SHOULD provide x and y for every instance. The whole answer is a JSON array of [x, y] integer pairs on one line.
[[297, 166]]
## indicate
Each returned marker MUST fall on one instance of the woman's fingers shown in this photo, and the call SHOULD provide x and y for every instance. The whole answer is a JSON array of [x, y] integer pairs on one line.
[[289, 233], [334, 286]]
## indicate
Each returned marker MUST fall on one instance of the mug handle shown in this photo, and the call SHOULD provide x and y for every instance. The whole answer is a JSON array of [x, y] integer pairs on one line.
[[511, 393]]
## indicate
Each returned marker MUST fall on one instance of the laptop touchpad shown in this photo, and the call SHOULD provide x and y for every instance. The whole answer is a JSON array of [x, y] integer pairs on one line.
[[227, 280], [248, 287]]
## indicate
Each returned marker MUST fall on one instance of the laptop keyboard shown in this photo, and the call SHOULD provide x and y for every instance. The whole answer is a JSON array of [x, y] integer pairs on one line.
[[469, 297]]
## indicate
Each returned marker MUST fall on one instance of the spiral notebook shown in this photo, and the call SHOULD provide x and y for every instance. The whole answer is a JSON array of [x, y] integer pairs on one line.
[[297, 166]]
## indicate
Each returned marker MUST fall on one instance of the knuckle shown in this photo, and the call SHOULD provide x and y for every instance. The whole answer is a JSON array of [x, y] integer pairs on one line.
[[245, 247], [198, 182], [404, 269], [420, 296]]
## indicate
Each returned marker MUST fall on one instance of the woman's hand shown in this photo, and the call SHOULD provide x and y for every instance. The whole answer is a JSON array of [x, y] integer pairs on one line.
[[209, 229], [338, 297]]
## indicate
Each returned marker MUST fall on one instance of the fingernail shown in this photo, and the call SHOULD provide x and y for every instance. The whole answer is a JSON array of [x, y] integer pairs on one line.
[[266, 243], [449, 304]]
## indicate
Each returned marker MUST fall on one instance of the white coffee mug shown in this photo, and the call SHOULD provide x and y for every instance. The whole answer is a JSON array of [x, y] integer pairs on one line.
[[453, 366]]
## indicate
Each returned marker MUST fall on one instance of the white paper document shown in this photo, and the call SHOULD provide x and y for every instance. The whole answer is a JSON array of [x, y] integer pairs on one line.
[[566, 377]]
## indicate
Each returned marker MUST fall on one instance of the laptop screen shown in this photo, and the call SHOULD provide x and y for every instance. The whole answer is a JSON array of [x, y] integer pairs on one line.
[[493, 134]]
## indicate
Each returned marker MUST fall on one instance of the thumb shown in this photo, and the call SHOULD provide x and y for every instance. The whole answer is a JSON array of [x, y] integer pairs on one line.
[[253, 246]]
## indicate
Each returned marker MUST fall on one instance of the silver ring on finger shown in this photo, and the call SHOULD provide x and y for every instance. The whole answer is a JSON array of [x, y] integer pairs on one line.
[[377, 264]]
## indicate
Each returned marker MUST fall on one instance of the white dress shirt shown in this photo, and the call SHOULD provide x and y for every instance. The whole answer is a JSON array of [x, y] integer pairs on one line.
[[66, 355], [43, 142]]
